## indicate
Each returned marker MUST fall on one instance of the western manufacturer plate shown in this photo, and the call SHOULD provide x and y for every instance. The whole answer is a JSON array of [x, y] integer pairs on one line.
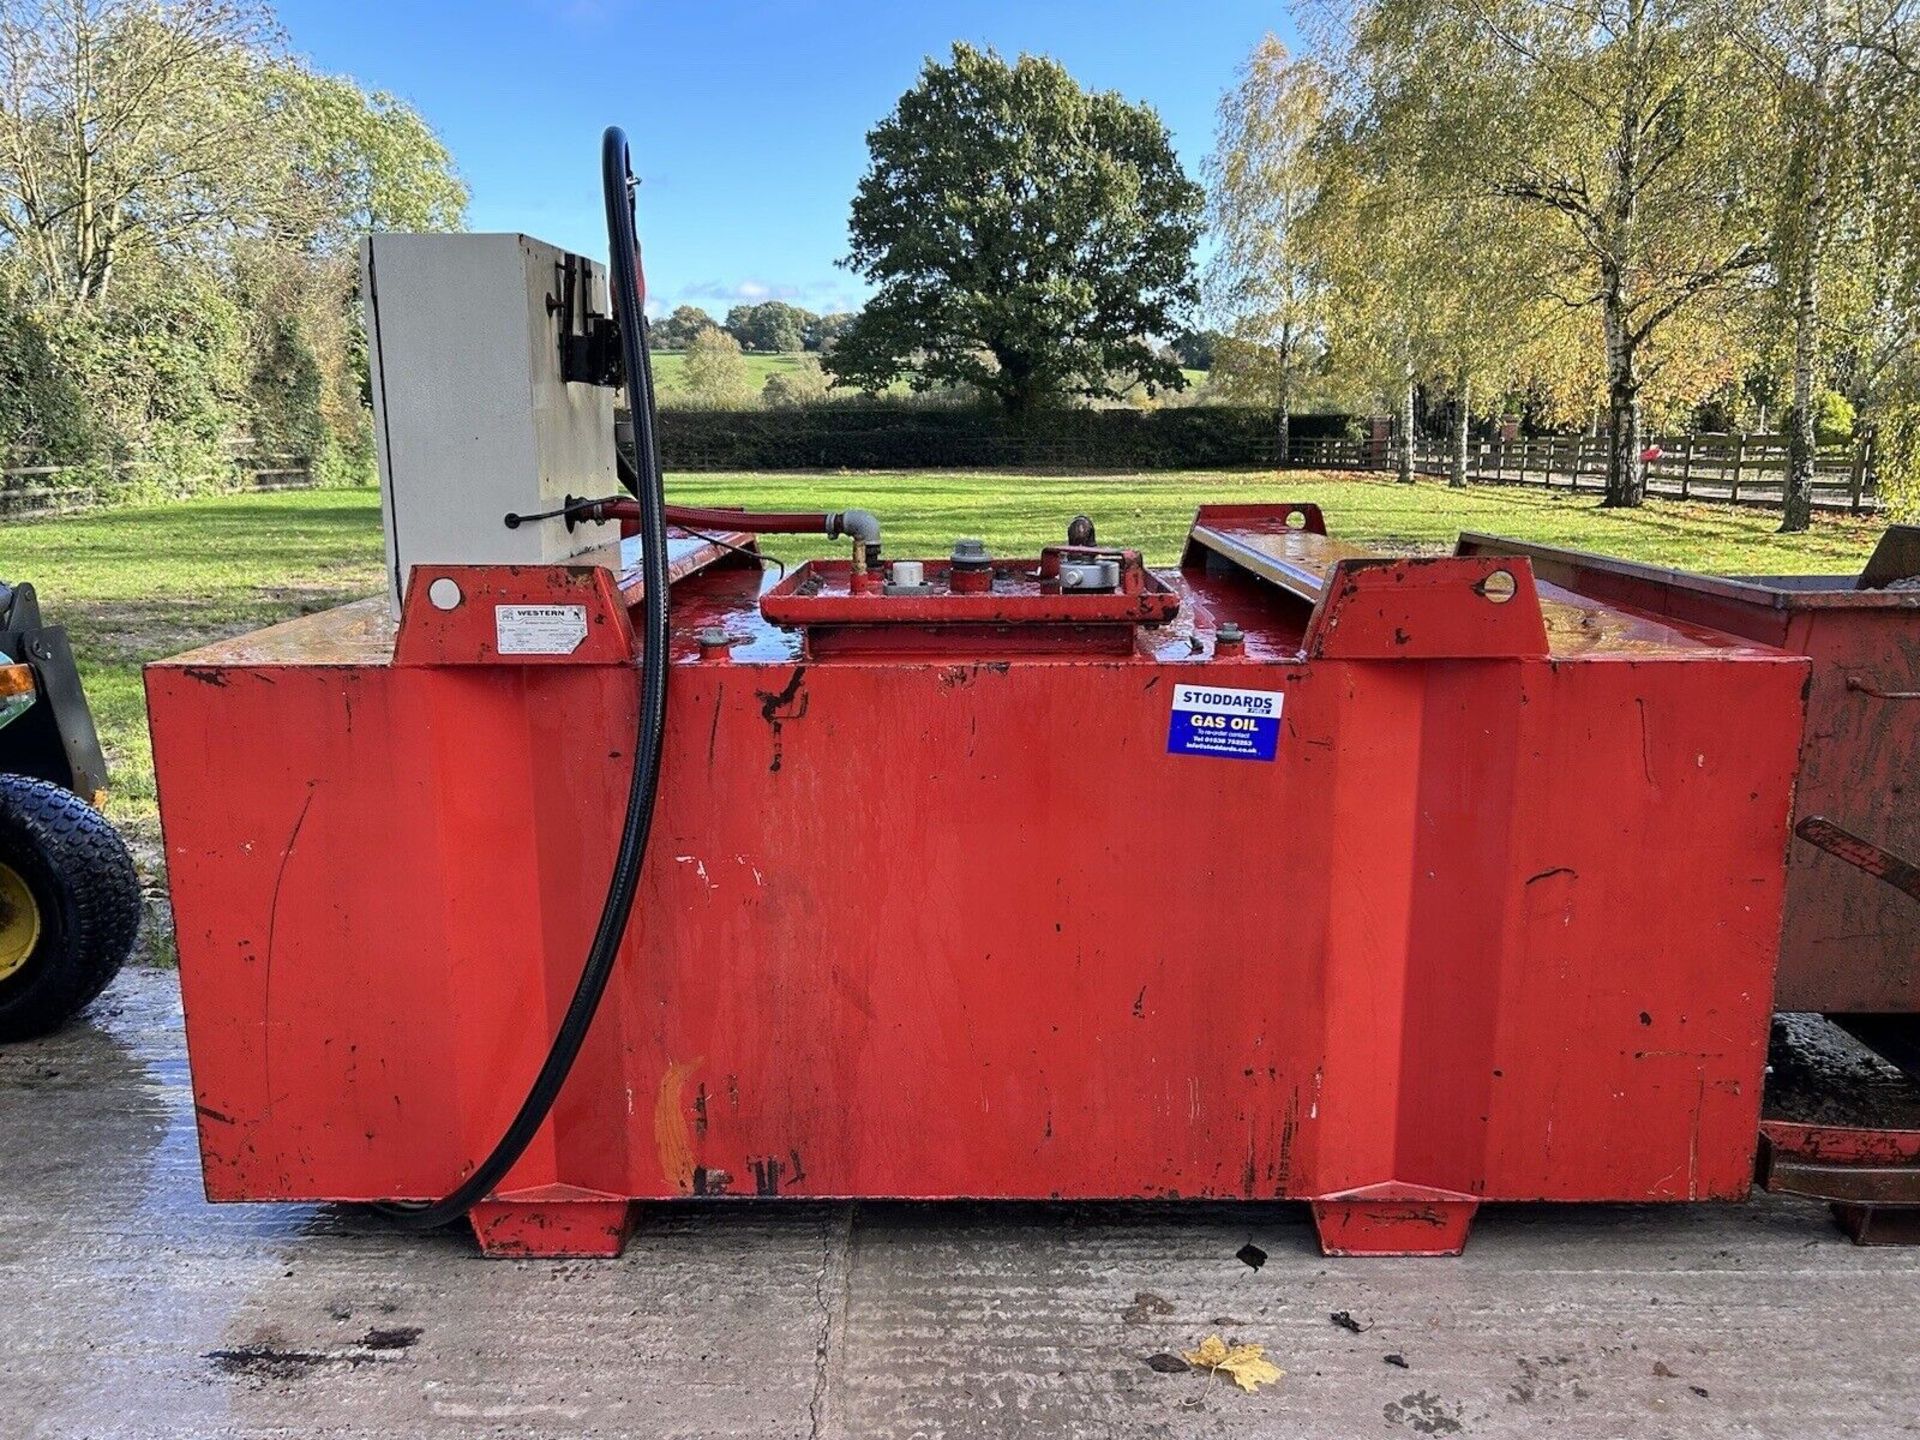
[[1224, 723], [539, 629]]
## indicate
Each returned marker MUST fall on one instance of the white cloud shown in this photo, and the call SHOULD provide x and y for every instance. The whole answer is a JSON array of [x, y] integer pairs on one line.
[[820, 297], [749, 291]]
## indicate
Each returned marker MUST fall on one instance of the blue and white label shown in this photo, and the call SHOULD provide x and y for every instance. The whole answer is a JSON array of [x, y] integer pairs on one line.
[[1226, 724]]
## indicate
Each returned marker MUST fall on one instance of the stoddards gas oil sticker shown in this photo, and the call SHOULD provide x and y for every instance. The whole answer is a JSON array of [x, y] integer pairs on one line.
[[539, 629], [1227, 724]]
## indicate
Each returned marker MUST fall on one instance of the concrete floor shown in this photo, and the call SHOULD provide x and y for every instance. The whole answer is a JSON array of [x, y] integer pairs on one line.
[[131, 1308]]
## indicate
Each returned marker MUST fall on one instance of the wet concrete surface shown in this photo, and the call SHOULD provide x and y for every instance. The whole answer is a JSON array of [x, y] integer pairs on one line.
[[134, 1309]]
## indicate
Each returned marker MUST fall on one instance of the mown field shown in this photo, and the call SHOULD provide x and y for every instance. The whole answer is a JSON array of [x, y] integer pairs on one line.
[[132, 585], [670, 373]]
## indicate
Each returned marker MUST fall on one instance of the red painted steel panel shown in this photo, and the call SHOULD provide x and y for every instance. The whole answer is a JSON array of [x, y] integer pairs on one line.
[[918, 927], [1850, 943]]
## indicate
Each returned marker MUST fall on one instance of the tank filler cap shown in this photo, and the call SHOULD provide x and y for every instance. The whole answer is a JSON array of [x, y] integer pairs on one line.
[[971, 572], [907, 577]]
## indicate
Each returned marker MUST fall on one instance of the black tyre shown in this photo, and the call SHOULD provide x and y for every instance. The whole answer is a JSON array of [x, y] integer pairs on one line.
[[69, 905]]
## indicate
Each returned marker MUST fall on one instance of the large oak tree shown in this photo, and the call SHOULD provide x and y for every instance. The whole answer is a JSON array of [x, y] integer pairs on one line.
[[1026, 237]]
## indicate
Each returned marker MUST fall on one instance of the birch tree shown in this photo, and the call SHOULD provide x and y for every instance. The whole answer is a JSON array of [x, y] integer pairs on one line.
[[1408, 268], [1262, 180], [124, 125], [1837, 73], [1612, 126], [1372, 259]]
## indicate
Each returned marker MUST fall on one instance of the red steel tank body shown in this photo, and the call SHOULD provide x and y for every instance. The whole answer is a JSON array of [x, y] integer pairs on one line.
[[1288, 873]]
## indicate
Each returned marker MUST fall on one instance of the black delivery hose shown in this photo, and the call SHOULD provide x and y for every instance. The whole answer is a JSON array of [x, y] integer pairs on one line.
[[629, 297]]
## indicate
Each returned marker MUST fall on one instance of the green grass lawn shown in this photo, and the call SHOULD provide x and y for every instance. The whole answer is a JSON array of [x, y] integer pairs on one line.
[[670, 371], [132, 585]]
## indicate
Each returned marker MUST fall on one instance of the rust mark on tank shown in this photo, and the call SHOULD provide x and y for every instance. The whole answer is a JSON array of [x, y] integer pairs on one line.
[[672, 1135], [779, 706], [1289, 1128], [1646, 740], [955, 676]]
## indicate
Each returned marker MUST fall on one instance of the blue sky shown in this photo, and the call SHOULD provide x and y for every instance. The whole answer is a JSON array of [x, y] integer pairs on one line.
[[748, 117]]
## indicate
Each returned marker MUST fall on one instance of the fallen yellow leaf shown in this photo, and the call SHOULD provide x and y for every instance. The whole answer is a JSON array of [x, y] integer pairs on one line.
[[1246, 1365]]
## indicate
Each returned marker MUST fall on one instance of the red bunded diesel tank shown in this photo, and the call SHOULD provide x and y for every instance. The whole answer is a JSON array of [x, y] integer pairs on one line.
[[1289, 873]]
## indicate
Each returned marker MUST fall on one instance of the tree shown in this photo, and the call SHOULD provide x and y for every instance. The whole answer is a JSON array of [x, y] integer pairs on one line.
[[1483, 319], [771, 327], [1026, 237], [356, 161], [824, 332], [1616, 127], [179, 204], [676, 331], [1262, 180], [1195, 349], [1836, 75], [43, 409], [716, 373], [1370, 255], [125, 125], [1801, 232], [805, 383]]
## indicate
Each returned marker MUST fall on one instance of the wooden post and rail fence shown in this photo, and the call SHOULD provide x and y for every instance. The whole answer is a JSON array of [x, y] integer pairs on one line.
[[1747, 469], [32, 489]]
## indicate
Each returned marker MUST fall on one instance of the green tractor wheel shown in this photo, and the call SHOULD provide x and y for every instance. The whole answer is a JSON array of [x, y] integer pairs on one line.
[[69, 905]]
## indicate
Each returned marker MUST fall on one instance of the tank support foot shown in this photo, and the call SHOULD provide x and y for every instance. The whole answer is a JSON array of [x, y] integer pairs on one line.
[[1393, 1219], [553, 1222]]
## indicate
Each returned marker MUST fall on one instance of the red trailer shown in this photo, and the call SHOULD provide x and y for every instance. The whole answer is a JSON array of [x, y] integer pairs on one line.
[[1850, 944], [1293, 872]]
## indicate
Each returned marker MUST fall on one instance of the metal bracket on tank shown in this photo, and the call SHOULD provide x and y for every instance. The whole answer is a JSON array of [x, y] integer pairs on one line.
[[514, 615], [1374, 607], [1444, 608]]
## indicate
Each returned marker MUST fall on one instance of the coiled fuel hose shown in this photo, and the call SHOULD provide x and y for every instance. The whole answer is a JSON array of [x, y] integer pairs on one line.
[[629, 297]]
